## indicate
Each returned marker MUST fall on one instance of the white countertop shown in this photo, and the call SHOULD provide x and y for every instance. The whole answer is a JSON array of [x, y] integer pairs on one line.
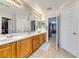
[[19, 36]]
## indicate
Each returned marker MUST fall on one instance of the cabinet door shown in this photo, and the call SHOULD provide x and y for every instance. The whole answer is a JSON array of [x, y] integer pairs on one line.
[[44, 37], [77, 14], [6, 52], [28, 47], [75, 26], [14, 50], [36, 42], [41, 39], [24, 48], [69, 29]]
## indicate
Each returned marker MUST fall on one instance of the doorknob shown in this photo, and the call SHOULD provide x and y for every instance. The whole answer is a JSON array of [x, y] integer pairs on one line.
[[74, 33]]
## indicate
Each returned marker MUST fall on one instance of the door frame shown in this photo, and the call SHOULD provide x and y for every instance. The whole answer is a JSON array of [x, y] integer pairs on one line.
[[57, 31]]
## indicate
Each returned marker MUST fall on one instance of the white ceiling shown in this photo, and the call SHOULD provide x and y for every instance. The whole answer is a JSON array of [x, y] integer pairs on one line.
[[8, 7], [54, 4], [44, 4]]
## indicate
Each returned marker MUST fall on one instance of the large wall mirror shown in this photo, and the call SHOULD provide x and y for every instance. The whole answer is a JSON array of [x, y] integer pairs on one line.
[[13, 25], [20, 24]]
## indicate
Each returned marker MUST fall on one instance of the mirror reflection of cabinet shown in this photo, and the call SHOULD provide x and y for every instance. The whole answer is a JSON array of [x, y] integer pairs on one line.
[[5, 25]]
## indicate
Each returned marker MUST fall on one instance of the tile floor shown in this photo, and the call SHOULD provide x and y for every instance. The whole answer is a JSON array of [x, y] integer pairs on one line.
[[48, 50]]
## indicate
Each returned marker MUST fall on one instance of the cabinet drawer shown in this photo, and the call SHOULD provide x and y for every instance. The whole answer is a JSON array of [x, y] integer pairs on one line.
[[24, 48]]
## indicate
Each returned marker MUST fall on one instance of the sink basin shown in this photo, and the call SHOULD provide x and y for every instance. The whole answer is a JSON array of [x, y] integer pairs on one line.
[[3, 38]]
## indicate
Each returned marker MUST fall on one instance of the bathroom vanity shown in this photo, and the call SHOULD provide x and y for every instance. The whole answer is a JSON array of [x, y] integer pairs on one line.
[[22, 45]]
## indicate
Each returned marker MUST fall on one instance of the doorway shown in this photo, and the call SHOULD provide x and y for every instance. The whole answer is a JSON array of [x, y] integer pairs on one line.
[[53, 31]]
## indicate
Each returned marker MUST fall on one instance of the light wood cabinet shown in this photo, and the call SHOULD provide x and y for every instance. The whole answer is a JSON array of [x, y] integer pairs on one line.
[[14, 51], [36, 42], [24, 48], [7, 51], [42, 38]]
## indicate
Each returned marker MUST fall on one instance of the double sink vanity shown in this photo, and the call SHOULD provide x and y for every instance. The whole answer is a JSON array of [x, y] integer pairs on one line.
[[21, 45]]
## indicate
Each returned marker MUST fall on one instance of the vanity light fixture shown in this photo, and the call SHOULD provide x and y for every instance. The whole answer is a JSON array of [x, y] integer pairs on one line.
[[36, 13]]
